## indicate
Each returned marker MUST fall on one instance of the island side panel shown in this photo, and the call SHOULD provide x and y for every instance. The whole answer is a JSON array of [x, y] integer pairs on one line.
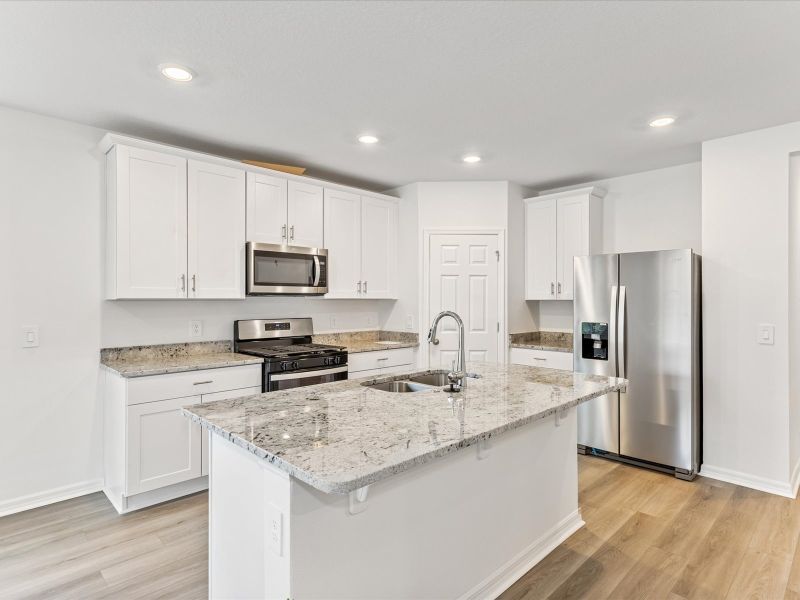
[[247, 558], [458, 527]]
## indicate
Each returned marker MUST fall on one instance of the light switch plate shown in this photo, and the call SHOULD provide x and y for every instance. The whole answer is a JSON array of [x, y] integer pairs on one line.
[[766, 334], [30, 336]]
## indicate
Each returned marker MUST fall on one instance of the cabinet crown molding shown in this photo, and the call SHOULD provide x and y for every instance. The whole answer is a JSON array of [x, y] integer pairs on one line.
[[592, 190], [110, 139]]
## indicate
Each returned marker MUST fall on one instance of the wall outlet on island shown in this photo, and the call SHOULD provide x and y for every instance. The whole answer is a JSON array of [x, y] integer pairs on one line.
[[195, 329]]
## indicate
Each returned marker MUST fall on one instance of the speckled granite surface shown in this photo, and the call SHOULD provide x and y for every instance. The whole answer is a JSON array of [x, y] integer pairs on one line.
[[141, 361], [369, 341], [554, 341], [341, 436]]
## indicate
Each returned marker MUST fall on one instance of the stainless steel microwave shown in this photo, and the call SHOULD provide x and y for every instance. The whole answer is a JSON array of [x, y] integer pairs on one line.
[[273, 269]]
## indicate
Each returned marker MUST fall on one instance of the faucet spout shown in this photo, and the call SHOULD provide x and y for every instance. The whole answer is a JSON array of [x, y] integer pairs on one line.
[[459, 372]]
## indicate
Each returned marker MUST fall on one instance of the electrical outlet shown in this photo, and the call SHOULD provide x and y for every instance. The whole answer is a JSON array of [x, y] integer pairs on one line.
[[195, 329], [766, 334], [30, 336], [275, 530], [410, 322]]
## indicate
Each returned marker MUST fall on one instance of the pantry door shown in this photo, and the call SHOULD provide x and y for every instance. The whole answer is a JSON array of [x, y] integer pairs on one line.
[[464, 277]]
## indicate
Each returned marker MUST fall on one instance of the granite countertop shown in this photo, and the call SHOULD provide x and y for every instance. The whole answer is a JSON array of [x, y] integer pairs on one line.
[[369, 341], [141, 361], [552, 341], [341, 436]]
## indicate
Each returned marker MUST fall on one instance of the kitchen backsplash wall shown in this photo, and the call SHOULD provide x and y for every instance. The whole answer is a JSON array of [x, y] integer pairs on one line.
[[145, 322]]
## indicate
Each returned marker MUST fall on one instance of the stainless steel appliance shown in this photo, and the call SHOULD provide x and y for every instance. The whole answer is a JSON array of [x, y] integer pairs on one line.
[[637, 316], [291, 359], [273, 269]]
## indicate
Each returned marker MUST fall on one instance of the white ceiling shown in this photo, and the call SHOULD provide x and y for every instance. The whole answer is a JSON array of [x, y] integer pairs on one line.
[[549, 93]]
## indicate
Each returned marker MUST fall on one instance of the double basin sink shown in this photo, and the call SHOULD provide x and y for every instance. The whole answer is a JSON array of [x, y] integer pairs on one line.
[[418, 383]]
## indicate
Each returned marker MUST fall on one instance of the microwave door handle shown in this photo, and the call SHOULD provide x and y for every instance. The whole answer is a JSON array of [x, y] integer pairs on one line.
[[317, 271]]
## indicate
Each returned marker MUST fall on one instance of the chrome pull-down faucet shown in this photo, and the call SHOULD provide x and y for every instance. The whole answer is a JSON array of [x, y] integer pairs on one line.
[[458, 374]]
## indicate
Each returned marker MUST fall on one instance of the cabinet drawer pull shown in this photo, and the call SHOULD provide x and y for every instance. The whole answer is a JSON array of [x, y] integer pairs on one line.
[[537, 358], [384, 358], [203, 382]]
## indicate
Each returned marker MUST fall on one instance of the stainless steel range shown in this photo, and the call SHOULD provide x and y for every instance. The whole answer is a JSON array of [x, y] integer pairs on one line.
[[291, 359]]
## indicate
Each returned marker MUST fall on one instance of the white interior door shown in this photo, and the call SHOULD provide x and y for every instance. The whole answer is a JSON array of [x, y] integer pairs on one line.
[[463, 277], [343, 242], [573, 240], [266, 209], [216, 231]]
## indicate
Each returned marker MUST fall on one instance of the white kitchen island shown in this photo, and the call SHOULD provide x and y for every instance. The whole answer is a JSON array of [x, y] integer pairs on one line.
[[343, 491]]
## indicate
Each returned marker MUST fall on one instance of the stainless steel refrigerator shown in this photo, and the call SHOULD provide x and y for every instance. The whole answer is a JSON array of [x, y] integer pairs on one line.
[[637, 316]]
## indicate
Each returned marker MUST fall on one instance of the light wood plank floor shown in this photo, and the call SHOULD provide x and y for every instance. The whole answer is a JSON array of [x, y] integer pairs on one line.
[[647, 535]]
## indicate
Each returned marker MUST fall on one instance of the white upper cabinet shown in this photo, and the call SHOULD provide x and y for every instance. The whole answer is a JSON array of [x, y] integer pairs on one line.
[[378, 247], [266, 209], [343, 242], [559, 227], [216, 224], [361, 238], [146, 224], [284, 212], [175, 227], [540, 249], [305, 215]]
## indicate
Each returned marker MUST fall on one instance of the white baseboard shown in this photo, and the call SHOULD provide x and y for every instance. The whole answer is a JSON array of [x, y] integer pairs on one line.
[[795, 479], [763, 484], [66, 492], [504, 577]]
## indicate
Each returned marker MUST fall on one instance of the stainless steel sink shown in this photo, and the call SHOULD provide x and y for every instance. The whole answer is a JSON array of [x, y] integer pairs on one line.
[[399, 386], [434, 379]]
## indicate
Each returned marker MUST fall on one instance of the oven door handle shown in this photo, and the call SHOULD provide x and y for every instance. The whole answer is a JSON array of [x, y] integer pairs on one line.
[[307, 374], [317, 271]]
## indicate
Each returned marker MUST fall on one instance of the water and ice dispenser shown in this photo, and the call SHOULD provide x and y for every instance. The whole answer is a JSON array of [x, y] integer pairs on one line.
[[594, 341]]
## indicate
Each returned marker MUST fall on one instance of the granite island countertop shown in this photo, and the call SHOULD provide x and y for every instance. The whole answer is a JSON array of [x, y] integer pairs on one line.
[[141, 361], [341, 436]]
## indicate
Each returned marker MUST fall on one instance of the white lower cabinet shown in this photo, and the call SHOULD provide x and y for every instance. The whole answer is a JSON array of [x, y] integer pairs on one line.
[[154, 453], [541, 358], [380, 362]]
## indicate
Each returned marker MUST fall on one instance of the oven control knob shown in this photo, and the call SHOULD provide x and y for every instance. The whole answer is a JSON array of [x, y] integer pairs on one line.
[[295, 364], [284, 365], [337, 360]]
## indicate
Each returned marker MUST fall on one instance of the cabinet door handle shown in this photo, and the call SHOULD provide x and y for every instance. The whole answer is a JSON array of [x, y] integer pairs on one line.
[[194, 283], [183, 282], [283, 232], [559, 287], [365, 287], [291, 233], [359, 287], [552, 289]]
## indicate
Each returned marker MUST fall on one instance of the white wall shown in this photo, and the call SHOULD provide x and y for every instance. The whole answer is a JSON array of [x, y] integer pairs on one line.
[[50, 193], [409, 252], [522, 316], [746, 258], [653, 210], [794, 310]]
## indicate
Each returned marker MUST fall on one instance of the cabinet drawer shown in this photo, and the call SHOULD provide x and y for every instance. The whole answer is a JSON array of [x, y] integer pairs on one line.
[[541, 358], [191, 383], [379, 359]]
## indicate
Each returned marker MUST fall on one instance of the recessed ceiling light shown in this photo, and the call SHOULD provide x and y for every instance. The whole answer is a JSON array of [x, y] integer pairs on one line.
[[176, 72], [367, 139], [662, 121], [471, 158]]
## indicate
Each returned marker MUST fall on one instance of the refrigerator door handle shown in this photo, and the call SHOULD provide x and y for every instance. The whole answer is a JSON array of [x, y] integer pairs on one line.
[[621, 342], [613, 327]]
